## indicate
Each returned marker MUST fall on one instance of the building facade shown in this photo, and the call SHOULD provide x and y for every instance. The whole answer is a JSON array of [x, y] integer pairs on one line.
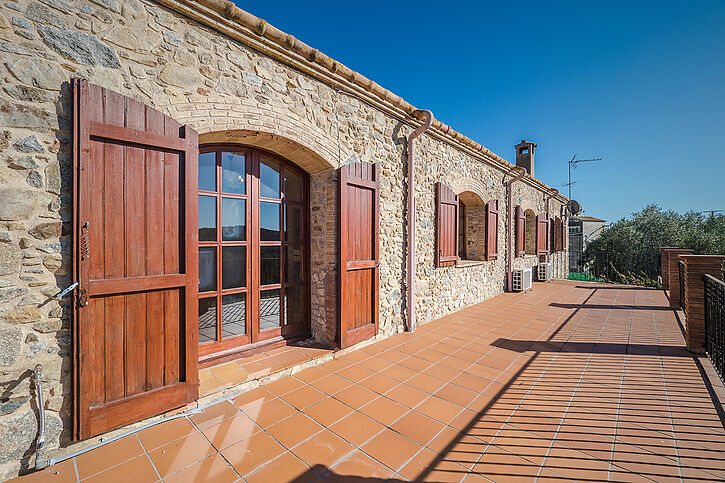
[[214, 185]]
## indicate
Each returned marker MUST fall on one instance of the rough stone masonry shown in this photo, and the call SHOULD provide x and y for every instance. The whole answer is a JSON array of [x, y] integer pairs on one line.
[[229, 82]]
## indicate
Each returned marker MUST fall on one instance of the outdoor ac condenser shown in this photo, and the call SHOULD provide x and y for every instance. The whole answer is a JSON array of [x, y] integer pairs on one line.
[[522, 279], [544, 272]]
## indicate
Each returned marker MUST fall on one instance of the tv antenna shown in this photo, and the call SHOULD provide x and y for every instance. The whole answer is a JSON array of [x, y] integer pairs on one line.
[[572, 165]]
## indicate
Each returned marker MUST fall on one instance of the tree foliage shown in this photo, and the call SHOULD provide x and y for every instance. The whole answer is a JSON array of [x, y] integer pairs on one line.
[[631, 246]]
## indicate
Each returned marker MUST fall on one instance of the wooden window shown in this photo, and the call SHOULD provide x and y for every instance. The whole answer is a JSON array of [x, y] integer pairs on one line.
[[492, 230], [446, 226], [520, 232], [564, 235], [542, 234], [252, 249]]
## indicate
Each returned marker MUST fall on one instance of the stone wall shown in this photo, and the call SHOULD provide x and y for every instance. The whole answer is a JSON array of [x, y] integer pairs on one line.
[[228, 92]]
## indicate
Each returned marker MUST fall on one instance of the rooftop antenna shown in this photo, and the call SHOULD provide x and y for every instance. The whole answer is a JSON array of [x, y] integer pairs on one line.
[[572, 165]]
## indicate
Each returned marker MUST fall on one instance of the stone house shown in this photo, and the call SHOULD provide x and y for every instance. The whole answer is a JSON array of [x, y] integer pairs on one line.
[[215, 187]]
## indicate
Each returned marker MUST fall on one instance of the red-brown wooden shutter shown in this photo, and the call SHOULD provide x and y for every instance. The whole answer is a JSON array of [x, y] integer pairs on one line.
[[359, 252], [135, 222], [542, 234], [492, 230], [520, 232], [446, 226]]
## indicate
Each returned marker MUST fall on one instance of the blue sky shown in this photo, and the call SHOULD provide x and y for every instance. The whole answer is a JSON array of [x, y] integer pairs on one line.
[[640, 84]]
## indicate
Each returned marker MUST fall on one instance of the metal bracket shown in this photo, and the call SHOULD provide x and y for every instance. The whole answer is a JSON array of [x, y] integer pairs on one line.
[[85, 246], [65, 292]]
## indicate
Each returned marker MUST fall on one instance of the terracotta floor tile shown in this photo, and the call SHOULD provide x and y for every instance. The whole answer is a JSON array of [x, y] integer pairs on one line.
[[231, 431], [457, 395], [379, 383], [269, 413], [328, 411], [181, 453], [324, 449], [417, 427], [331, 384], [384, 410], [214, 414], [399, 373], [419, 464], [391, 449], [138, 469], [312, 374], [284, 385], [262, 367], [355, 396], [439, 409], [356, 428], [284, 468], [441, 372], [230, 373], [211, 469], [425, 383], [336, 365], [108, 455], [251, 453], [406, 395], [303, 397], [358, 465], [255, 396], [63, 472], [163, 433], [294, 429], [354, 373]]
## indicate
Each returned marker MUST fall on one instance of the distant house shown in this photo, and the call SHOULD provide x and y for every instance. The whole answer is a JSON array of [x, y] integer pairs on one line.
[[582, 230]]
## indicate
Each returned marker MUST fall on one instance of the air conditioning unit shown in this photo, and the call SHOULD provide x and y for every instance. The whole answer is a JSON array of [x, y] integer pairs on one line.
[[544, 272], [522, 279]]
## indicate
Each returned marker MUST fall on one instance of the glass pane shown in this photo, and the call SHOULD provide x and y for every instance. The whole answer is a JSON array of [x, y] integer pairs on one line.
[[293, 223], [293, 305], [293, 264], [269, 261], [234, 219], [292, 186], [207, 171], [233, 173], [207, 269], [234, 315], [269, 221], [234, 267], [268, 179], [207, 218], [207, 320], [269, 313]]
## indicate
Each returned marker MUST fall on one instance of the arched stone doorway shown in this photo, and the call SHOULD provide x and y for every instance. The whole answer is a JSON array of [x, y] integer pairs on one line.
[[253, 249]]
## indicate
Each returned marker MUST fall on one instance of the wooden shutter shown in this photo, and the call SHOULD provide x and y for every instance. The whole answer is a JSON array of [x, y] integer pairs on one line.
[[492, 230], [135, 222], [564, 234], [359, 252], [557, 235], [542, 234], [520, 232], [446, 226]]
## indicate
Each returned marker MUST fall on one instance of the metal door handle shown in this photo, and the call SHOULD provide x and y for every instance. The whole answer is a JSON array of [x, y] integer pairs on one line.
[[65, 292]]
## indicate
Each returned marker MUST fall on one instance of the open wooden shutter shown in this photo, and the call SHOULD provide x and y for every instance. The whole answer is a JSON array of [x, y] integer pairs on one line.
[[564, 234], [359, 252], [492, 230], [446, 226], [135, 241], [520, 232], [542, 234]]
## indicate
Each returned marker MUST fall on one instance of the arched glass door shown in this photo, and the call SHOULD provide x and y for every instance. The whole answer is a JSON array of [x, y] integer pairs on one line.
[[253, 249]]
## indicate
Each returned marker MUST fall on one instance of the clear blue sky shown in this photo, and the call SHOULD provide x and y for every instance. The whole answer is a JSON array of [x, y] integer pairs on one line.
[[641, 84]]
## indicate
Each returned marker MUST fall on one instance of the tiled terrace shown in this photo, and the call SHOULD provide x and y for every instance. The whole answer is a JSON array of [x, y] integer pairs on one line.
[[569, 382]]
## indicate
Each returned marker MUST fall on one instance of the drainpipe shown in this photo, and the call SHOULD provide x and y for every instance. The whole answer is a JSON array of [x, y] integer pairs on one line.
[[411, 213], [40, 461], [511, 250], [551, 195]]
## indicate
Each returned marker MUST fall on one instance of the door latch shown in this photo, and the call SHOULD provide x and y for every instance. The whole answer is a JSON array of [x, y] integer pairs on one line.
[[85, 245], [65, 292], [82, 297]]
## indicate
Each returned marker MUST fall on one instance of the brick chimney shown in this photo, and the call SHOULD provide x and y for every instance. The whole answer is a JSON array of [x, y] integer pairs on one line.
[[525, 155]]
